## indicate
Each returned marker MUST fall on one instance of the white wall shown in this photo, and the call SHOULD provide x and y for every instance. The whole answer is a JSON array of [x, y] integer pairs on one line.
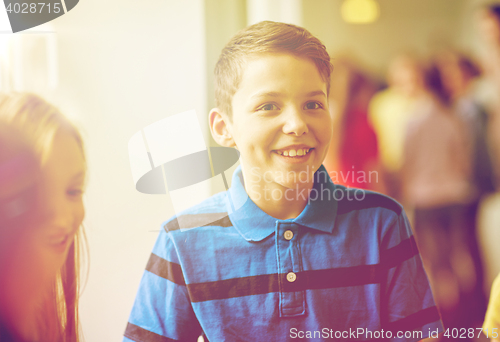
[[124, 64], [409, 25]]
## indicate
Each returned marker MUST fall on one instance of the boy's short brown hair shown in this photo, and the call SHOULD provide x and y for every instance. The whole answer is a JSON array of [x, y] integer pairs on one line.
[[265, 37]]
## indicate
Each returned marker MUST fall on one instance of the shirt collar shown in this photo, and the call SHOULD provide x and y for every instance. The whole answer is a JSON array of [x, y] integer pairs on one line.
[[255, 225]]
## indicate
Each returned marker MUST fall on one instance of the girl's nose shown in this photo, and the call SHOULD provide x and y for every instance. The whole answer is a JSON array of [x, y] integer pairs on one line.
[[57, 214]]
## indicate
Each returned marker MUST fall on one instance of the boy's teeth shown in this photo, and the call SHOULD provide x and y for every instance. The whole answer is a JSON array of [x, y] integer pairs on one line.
[[293, 153]]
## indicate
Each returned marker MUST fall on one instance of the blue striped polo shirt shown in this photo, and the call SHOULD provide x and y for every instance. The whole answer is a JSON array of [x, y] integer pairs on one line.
[[346, 268]]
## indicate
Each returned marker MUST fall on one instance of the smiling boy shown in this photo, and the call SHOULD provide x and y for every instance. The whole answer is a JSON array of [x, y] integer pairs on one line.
[[287, 254], [281, 125]]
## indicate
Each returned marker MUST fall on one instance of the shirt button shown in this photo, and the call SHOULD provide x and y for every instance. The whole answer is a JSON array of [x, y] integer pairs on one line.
[[288, 235], [291, 277]]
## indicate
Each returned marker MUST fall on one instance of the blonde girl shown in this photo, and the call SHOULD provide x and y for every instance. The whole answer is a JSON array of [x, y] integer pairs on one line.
[[42, 178]]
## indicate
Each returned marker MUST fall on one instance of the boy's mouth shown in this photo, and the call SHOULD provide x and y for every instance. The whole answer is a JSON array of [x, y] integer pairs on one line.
[[294, 153]]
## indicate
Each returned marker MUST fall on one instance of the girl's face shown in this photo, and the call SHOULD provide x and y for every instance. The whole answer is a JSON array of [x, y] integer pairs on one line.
[[42, 249]]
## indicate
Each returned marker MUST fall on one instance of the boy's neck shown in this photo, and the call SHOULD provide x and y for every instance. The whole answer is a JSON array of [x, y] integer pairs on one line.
[[277, 200]]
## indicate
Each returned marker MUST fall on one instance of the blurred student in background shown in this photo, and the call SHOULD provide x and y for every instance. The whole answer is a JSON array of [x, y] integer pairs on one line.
[[489, 33], [42, 176], [459, 74], [488, 89], [436, 182], [389, 113], [488, 92], [352, 158]]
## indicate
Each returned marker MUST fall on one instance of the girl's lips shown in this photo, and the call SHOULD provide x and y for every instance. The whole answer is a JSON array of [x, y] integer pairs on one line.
[[60, 243]]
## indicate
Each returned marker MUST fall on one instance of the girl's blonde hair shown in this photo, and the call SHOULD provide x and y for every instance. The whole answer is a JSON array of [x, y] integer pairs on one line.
[[38, 122]]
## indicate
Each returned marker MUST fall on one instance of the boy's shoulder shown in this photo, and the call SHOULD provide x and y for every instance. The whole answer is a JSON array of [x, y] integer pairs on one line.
[[354, 200], [379, 219], [210, 212], [374, 214]]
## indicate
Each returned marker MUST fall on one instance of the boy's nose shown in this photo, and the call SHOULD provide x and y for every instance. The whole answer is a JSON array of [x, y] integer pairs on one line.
[[295, 122]]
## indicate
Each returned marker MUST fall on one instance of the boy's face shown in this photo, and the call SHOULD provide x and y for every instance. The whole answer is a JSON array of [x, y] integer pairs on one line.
[[281, 124]]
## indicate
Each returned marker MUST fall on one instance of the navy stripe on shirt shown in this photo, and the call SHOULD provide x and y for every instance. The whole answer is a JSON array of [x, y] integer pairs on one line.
[[267, 283], [261, 284], [415, 320], [136, 333], [165, 269], [370, 200], [198, 220], [403, 251]]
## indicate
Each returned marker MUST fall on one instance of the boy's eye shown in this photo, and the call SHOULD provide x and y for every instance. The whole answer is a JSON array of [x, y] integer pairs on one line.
[[313, 105], [268, 106]]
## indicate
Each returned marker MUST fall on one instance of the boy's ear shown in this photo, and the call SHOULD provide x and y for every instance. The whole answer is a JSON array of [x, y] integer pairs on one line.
[[220, 128]]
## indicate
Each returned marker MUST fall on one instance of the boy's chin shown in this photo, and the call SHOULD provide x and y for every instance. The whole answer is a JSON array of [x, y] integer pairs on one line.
[[304, 182]]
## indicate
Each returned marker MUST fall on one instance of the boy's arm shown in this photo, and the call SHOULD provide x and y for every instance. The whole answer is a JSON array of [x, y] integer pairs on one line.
[[162, 309], [407, 305]]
